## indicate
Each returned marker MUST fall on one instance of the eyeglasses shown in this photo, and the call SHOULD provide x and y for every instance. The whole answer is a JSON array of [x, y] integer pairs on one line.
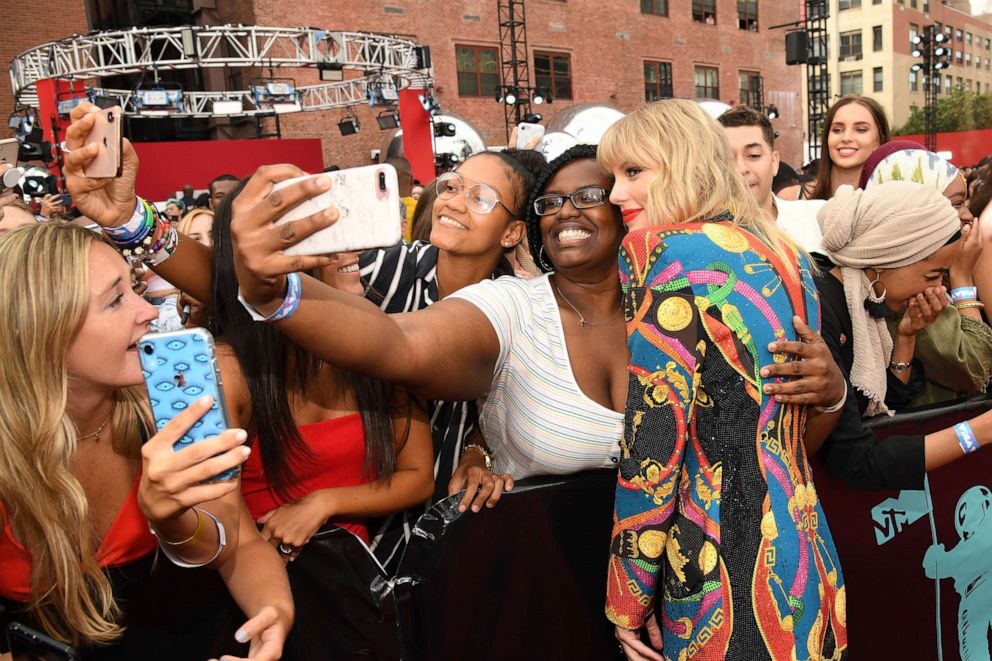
[[479, 198], [584, 198]]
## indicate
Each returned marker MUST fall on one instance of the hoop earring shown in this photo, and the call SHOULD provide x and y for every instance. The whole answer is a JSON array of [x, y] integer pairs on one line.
[[875, 305], [543, 262]]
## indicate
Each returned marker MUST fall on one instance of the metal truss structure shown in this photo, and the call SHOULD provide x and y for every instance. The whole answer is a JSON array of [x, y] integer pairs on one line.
[[370, 58]]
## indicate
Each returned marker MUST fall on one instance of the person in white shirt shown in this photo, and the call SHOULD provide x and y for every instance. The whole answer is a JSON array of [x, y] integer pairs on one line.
[[752, 141]]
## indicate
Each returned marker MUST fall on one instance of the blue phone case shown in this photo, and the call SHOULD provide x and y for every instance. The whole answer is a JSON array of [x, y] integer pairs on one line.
[[180, 367]]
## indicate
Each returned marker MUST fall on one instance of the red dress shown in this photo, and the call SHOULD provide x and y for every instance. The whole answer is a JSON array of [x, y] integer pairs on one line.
[[337, 447], [127, 540]]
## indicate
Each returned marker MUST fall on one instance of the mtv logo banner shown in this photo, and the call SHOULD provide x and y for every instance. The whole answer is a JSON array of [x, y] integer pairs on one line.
[[917, 564]]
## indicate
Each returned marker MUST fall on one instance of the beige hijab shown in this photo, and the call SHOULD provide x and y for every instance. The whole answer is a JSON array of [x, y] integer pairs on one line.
[[890, 225]]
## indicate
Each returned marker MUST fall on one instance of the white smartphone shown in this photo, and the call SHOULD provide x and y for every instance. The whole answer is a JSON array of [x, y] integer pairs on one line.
[[8, 151], [526, 132], [368, 201]]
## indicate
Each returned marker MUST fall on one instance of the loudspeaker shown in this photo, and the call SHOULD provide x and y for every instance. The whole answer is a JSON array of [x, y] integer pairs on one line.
[[796, 44]]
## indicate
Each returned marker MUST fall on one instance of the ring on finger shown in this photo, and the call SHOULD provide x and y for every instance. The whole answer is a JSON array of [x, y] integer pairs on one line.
[[65, 148], [286, 549]]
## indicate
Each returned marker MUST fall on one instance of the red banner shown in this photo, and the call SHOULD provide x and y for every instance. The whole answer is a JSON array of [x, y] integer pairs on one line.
[[418, 138]]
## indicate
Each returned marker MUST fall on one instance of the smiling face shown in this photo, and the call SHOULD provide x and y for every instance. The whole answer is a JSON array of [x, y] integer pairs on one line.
[[755, 159], [853, 136], [957, 193], [461, 231], [581, 238], [630, 192], [903, 283], [343, 273], [103, 353]]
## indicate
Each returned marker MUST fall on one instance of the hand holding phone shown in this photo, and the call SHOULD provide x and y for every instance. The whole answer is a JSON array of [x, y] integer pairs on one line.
[[368, 204], [528, 135], [108, 135]]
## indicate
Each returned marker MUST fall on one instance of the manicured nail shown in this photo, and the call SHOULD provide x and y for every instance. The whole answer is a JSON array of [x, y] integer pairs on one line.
[[241, 636], [475, 508], [772, 347], [764, 371], [241, 435], [206, 400], [245, 450], [767, 389]]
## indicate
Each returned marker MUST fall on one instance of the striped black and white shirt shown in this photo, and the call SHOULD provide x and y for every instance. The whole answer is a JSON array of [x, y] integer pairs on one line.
[[403, 279]]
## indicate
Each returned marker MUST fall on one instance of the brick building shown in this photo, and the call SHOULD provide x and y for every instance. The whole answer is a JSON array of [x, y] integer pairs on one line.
[[618, 52]]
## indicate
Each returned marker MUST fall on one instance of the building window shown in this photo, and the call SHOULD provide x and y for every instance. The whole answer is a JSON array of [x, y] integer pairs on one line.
[[553, 71], [850, 45], [656, 7], [926, 6], [876, 38], [967, 39], [948, 84], [877, 79], [967, 59], [988, 44], [707, 83], [478, 70], [936, 83], [914, 30], [751, 88], [704, 11], [948, 30], [657, 81], [849, 4], [958, 57], [747, 15], [913, 4], [850, 83], [958, 34], [876, 2]]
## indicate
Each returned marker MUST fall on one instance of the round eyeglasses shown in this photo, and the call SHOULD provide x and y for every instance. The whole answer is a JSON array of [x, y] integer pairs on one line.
[[480, 198], [584, 198]]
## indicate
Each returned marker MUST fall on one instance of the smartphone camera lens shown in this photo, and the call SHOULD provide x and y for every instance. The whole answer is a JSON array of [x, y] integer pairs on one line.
[[382, 181], [148, 349]]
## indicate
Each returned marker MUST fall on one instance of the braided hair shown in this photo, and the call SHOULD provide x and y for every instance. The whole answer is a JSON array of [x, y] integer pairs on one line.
[[576, 153], [528, 167]]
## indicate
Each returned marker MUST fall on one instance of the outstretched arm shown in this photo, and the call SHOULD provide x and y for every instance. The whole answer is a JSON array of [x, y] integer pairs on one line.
[[447, 351]]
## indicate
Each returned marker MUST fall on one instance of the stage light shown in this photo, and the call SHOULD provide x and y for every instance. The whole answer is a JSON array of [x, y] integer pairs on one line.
[[940, 52], [917, 40], [159, 100], [277, 95], [533, 118], [388, 120], [916, 67], [189, 42], [939, 38], [444, 130], [773, 112], [917, 52], [349, 126]]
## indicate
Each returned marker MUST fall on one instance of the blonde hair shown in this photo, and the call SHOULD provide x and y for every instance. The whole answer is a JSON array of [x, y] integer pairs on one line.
[[696, 177], [45, 503], [187, 221]]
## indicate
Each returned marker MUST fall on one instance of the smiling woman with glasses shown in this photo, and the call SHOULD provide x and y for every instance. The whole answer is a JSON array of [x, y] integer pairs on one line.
[[480, 198]]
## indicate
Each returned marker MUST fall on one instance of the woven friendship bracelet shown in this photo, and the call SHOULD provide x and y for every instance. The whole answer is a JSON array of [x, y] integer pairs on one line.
[[289, 305]]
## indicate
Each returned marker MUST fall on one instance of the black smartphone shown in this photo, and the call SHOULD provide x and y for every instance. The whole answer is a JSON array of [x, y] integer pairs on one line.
[[26, 644]]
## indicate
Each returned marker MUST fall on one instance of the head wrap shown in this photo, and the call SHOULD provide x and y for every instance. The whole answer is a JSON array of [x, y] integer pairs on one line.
[[904, 160], [885, 227]]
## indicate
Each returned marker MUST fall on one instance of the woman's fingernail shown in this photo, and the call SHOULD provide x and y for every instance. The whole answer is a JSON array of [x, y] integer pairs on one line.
[[764, 371], [206, 400], [241, 435], [241, 636], [772, 347], [245, 450], [766, 389], [323, 182]]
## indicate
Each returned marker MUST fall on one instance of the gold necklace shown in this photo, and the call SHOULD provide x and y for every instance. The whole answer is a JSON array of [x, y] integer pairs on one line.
[[582, 320], [99, 429]]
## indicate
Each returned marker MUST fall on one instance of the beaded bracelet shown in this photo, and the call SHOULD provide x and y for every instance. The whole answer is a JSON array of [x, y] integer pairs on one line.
[[289, 305], [966, 437], [135, 236], [163, 248], [959, 294]]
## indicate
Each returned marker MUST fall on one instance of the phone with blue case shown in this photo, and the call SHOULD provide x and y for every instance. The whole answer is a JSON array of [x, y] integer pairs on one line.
[[180, 367]]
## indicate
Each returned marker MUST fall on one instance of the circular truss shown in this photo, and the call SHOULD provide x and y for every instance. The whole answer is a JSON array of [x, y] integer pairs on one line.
[[370, 59]]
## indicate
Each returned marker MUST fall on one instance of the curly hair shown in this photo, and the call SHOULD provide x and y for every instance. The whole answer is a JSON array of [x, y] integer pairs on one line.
[[576, 153]]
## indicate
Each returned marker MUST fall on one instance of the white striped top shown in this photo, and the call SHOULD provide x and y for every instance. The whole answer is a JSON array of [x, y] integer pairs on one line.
[[535, 417]]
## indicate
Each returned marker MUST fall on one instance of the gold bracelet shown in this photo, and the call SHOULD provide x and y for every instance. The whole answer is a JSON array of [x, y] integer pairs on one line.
[[964, 305], [192, 538]]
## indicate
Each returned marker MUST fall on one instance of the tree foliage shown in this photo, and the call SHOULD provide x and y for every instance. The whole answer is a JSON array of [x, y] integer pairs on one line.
[[961, 110]]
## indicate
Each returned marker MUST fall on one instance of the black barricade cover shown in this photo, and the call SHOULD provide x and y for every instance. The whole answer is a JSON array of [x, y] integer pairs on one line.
[[526, 580]]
